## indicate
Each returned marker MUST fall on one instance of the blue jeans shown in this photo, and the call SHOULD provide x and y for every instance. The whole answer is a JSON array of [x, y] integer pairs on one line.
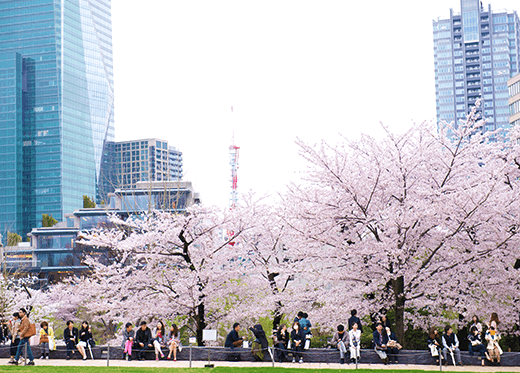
[[24, 341]]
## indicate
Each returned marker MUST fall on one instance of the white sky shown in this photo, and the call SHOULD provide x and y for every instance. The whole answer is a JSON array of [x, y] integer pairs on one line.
[[290, 68]]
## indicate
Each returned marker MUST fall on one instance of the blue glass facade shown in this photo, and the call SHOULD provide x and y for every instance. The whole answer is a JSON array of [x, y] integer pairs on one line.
[[476, 52], [63, 50]]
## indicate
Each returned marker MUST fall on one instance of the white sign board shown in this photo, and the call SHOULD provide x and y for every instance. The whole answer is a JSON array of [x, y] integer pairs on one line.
[[209, 335], [193, 340]]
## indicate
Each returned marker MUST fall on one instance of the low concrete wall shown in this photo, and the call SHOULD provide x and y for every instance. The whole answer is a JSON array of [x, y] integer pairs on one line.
[[315, 355]]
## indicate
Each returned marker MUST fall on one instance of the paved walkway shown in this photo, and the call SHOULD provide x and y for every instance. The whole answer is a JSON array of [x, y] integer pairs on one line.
[[200, 364]]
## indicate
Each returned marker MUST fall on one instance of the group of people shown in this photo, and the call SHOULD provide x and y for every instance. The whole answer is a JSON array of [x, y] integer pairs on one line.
[[485, 343], [488, 349], [144, 340], [78, 339]]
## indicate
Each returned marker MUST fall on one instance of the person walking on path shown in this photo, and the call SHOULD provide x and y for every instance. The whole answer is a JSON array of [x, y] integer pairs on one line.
[[25, 334], [14, 329]]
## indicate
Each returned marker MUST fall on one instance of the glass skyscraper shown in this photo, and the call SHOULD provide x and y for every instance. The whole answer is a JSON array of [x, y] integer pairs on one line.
[[56, 107], [476, 52]]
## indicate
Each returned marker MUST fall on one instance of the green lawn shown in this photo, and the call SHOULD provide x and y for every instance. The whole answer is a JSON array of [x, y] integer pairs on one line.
[[49, 369]]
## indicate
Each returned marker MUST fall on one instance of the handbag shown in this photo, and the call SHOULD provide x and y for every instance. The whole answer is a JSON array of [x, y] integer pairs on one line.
[[434, 350], [52, 344], [31, 331]]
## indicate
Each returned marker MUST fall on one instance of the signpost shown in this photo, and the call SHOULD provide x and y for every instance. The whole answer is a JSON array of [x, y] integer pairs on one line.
[[209, 335]]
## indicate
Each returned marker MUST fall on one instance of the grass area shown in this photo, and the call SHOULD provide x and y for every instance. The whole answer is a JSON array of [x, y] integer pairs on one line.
[[49, 369]]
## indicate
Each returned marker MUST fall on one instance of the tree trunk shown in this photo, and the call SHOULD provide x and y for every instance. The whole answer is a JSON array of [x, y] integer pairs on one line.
[[398, 288], [277, 316], [278, 305], [201, 323]]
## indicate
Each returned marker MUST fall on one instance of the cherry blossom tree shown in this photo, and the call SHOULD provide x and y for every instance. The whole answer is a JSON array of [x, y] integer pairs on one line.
[[165, 265], [427, 220], [272, 270]]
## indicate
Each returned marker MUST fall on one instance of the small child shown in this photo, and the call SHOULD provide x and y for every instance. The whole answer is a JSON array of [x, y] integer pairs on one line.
[[128, 340], [46, 333]]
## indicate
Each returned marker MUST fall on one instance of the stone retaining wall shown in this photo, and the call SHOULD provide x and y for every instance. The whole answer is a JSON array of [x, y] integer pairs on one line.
[[419, 357]]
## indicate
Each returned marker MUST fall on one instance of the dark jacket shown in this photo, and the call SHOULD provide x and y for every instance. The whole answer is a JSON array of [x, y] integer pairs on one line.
[[450, 340], [143, 336], [431, 341], [474, 339], [259, 333], [232, 337], [380, 339], [283, 338], [298, 335], [84, 335], [69, 335], [352, 320]]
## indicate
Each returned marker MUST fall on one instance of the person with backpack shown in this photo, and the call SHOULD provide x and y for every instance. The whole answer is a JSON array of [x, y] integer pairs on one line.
[[26, 331]]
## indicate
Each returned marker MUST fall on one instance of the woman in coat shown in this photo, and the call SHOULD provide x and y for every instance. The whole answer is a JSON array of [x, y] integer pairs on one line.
[[475, 343], [434, 343], [298, 341], [259, 345], [46, 334], [493, 348], [282, 341], [85, 335], [354, 336]]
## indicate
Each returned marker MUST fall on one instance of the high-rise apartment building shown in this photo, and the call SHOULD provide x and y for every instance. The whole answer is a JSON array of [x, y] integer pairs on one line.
[[56, 106], [146, 160], [476, 52], [514, 100]]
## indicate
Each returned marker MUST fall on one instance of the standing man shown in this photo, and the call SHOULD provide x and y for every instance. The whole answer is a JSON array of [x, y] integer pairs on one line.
[[143, 340], [70, 335], [14, 329], [25, 334], [354, 319], [234, 341]]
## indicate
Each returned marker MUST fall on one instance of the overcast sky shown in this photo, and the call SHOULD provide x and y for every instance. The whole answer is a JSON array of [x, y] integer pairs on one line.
[[306, 69]]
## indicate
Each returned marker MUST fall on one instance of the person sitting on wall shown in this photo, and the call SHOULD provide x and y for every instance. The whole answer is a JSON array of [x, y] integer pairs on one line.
[[451, 343], [341, 342], [380, 340], [233, 341], [143, 340], [128, 340], [476, 345], [393, 346], [70, 335]]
